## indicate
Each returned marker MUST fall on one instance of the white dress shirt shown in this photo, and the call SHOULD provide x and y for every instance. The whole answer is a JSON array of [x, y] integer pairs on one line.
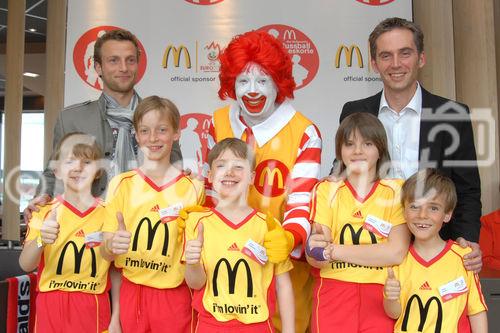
[[403, 134]]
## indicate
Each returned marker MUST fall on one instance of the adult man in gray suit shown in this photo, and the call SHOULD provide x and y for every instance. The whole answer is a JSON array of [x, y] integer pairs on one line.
[[108, 119]]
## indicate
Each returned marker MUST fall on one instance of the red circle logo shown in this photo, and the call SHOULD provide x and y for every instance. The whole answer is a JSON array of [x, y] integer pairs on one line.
[[271, 177], [302, 50], [375, 2], [83, 57], [194, 133], [203, 2]]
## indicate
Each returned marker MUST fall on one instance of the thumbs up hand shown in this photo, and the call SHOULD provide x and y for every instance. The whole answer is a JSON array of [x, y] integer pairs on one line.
[[120, 242], [194, 247], [277, 241], [50, 228], [319, 243], [392, 287]]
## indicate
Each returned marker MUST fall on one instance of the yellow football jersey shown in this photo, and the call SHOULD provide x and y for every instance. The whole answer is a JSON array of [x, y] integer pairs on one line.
[[427, 309], [338, 206], [73, 262], [287, 166], [148, 211], [237, 287]]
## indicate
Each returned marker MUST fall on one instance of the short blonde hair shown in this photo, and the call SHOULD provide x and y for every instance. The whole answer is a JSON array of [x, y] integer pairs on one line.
[[165, 106]]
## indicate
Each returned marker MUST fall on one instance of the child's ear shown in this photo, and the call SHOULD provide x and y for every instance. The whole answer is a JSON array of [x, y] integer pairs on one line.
[[177, 135], [252, 177], [447, 217], [209, 176], [56, 172]]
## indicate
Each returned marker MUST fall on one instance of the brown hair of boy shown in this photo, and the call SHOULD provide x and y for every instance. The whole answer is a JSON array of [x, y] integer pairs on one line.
[[81, 146], [371, 129], [428, 182], [166, 107], [236, 146]]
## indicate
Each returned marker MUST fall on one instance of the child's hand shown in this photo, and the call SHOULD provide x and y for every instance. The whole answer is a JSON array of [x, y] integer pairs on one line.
[[194, 247], [319, 244], [120, 242], [392, 288], [318, 238], [50, 228], [328, 254]]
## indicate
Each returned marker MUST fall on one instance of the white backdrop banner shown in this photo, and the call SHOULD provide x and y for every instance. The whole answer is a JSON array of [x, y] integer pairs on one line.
[[181, 40]]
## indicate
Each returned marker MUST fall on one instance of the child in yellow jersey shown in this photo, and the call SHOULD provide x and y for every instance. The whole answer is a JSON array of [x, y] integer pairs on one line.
[[143, 239], [235, 286], [61, 241], [432, 291], [358, 230]]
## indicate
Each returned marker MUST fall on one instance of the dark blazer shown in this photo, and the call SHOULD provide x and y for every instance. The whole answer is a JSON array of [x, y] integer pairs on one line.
[[434, 140]]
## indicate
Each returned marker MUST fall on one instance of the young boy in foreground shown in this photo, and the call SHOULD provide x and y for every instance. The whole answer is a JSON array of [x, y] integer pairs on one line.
[[143, 239], [431, 291], [62, 242], [226, 262]]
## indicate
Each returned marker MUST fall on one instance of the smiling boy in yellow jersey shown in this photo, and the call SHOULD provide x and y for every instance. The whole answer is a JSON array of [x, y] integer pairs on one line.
[[234, 284], [143, 239], [62, 239], [432, 291]]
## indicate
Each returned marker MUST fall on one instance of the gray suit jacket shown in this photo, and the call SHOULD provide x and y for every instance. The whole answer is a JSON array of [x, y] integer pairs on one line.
[[88, 117]]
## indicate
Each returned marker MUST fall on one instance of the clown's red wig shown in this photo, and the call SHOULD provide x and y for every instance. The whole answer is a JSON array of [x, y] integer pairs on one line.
[[263, 49]]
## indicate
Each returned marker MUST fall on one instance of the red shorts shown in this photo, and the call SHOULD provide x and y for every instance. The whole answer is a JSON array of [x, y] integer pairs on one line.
[[147, 309], [340, 306], [65, 311], [203, 326]]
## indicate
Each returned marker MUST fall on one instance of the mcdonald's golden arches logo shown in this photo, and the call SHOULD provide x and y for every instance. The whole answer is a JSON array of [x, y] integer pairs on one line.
[[270, 178], [176, 52], [349, 52]]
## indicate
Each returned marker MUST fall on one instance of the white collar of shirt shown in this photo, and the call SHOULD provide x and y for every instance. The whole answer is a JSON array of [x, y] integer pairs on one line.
[[415, 103], [266, 130]]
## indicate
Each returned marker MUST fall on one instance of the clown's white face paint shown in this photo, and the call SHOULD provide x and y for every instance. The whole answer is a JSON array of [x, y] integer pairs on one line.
[[256, 94]]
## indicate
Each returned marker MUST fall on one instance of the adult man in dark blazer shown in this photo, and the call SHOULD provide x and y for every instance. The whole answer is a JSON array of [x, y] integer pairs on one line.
[[423, 130]]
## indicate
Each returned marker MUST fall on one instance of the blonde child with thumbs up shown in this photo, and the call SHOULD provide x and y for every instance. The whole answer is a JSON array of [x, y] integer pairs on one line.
[[358, 230], [235, 287], [432, 291], [143, 238], [62, 241]]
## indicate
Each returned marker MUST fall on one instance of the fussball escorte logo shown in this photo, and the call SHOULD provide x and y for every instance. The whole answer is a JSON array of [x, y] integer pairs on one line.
[[375, 2], [83, 56], [204, 2], [302, 50]]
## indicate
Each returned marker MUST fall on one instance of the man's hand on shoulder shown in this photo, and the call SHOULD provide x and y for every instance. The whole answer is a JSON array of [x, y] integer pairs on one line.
[[34, 206], [473, 261]]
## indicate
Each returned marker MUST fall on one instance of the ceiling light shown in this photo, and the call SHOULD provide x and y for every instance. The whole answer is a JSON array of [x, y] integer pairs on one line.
[[29, 74], [32, 29]]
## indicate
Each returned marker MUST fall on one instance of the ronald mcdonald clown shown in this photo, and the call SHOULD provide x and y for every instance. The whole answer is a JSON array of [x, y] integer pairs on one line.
[[256, 72]]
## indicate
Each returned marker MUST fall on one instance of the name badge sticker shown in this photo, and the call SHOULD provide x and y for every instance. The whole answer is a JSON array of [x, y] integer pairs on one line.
[[93, 239], [255, 251], [170, 213], [377, 226], [453, 289]]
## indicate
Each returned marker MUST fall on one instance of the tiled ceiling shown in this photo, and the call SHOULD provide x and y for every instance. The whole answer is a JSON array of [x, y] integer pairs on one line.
[[35, 34], [36, 18]]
